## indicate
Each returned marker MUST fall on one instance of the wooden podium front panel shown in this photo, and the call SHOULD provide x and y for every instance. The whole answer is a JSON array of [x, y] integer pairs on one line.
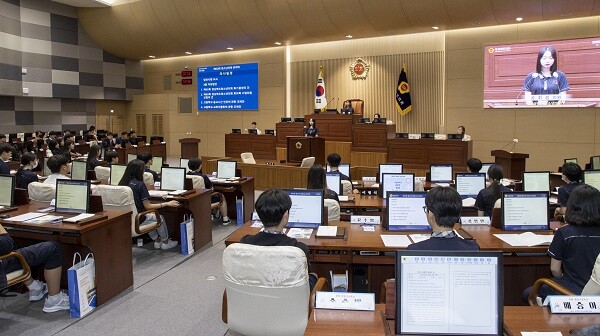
[[298, 148], [285, 129], [420, 153], [372, 137], [261, 146], [333, 127]]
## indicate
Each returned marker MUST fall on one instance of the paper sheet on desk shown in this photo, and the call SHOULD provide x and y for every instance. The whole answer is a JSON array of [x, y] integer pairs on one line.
[[24, 217], [299, 233], [541, 333], [395, 240], [158, 193], [419, 237], [327, 231], [468, 202], [79, 217], [524, 239]]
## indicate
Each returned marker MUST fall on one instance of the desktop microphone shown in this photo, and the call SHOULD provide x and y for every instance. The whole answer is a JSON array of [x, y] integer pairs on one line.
[[534, 75], [513, 142]]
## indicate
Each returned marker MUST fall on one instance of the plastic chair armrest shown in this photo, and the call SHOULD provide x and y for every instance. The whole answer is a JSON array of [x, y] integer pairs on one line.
[[531, 299]]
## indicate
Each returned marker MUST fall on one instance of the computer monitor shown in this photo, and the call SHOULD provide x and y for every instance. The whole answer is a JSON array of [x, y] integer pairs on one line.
[[79, 170], [343, 168], [183, 163], [441, 173], [396, 182], [572, 160], [449, 293], [307, 208], [116, 173], [536, 181], [405, 211], [252, 131], [226, 169], [594, 162], [131, 157], [270, 132], [7, 185], [485, 167], [379, 120], [334, 182], [172, 178], [72, 196], [236, 131], [388, 168], [592, 177], [525, 210], [286, 119], [157, 163], [469, 184]]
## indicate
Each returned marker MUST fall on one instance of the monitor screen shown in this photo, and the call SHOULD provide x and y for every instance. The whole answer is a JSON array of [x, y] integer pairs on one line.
[[389, 168], [307, 208], [7, 185], [343, 168], [449, 293], [525, 210], [131, 157], [592, 177], [594, 162], [572, 160], [172, 178], [157, 163], [226, 169], [116, 173], [79, 170], [536, 181], [252, 131], [469, 184], [485, 167], [72, 196], [441, 173], [334, 182], [183, 163], [405, 211], [396, 182]]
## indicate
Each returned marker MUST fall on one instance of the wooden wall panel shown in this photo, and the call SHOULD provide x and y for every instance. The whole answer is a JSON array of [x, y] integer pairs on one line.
[[368, 159]]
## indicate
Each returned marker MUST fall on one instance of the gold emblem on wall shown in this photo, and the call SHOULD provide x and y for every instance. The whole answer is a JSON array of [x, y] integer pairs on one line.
[[359, 69], [298, 145]]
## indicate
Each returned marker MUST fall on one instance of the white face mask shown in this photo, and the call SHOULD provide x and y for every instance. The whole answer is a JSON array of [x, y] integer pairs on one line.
[[35, 164]]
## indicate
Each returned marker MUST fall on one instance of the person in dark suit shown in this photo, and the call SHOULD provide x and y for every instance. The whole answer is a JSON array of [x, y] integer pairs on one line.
[[122, 140], [5, 154], [109, 142], [133, 138]]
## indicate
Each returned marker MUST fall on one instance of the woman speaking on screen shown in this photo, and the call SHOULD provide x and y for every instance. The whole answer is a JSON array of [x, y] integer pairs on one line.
[[546, 80]]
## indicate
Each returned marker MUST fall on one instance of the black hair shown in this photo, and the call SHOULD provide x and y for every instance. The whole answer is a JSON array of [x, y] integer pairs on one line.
[[134, 170], [474, 165], [445, 204], [2, 136], [464, 130], [39, 144], [334, 159], [92, 128], [378, 116], [583, 207], [55, 162], [314, 125], [572, 171], [495, 174], [6, 148], [145, 157], [108, 156], [123, 133], [109, 133], [93, 154], [194, 164], [317, 179], [254, 123], [554, 66], [588, 331], [26, 159], [271, 205]]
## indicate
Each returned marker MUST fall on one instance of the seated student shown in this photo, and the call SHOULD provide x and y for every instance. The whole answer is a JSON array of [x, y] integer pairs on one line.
[[133, 139], [134, 178], [59, 166], [109, 142], [487, 197], [25, 174], [474, 165], [273, 208], [347, 108], [91, 134], [5, 155], [111, 158], [122, 140], [93, 156], [571, 174], [48, 254], [442, 206], [195, 166], [147, 158], [2, 139], [576, 246], [317, 179], [334, 160], [69, 150], [53, 148]]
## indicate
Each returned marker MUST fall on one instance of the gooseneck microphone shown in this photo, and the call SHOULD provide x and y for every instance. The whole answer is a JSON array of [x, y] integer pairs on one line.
[[533, 76], [513, 142]]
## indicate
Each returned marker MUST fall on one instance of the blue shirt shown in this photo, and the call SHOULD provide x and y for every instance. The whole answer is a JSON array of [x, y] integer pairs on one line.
[[449, 243], [4, 169], [565, 191], [140, 194], [538, 84], [485, 200], [27, 176]]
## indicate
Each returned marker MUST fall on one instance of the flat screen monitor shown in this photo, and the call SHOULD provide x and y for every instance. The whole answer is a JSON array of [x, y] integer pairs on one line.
[[594, 162], [334, 182], [252, 131], [183, 163], [592, 177], [72, 196], [79, 170], [344, 168], [388, 168], [270, 132], [172, 178], [236, 131], [379, 120], [536, 181], [405, 211], [157, 163], [116, 173], [449, 293], [396, 182], [469, 184], [131, 157], [572, 160], [525, 210], [441, 173], [485, 167], [47, 171], [7, 185], [226, 169], [307, 208]]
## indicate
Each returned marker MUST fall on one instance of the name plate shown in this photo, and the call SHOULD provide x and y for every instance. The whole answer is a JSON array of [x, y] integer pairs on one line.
[[368, 220], [475, 220], [564, 304], [369, 179], [345, 301], [414, 136]]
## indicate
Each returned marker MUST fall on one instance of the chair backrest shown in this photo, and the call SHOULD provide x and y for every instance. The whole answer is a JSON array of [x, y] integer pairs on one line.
[[41, 192], [267, 289], [248, 158], [102, 173], [148, 178], [419, 185], [307, 162], [197, 181], [346, 187], [119, 198], [358, 106], [333, 209]]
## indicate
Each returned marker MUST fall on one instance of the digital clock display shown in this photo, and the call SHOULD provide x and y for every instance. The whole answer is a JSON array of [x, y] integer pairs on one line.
[[186, 81], [187, 73]]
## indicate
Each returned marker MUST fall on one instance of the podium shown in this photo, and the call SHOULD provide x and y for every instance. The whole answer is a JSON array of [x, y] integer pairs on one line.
[[299, 148], [513, 164], [189, 147]]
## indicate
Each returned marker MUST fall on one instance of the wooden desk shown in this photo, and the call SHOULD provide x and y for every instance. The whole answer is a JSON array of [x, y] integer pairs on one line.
[[261, 146], [156, 150], [372, 137], [285, 129], [421, 153], [333, 127], [328, 322], [109, 240], [234, 190], [519, 319]]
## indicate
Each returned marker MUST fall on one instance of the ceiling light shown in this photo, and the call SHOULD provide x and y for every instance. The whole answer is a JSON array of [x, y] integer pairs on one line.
[[566, 14], [435, 27], [277, 43], [188, 52], [151, 56], [519, 19], [348, 36], [229, 48]]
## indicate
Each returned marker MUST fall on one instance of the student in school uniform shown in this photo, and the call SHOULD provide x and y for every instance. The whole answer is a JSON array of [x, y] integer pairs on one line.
[[109, 142], [122, 140], [93, 157], [195, 166], [25, 174], [487, 197], [134, 178], [317, 179], [474, 165], [133, 138], [5, 155], [111, 158], [442, 206], [59, 166], [69, 150], [334, 160], [147, 158], [572, 175]]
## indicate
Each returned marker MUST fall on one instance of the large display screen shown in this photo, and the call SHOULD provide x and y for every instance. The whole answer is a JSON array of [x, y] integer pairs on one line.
[[228, 87], [545, 74]]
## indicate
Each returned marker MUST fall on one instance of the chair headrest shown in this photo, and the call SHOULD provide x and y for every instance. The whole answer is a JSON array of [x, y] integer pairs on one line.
[[114, 195], [41, 192]]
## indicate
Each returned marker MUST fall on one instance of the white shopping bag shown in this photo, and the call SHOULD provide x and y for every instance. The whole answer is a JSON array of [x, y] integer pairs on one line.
[[82, 286]]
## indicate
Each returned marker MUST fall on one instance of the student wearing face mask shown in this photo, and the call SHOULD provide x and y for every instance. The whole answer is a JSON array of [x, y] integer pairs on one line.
[[25, 174]]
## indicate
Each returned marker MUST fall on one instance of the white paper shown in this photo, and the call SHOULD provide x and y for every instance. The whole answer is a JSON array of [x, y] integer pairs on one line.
[[468, 202], [368, 228], [327, 231], [299, 233], [524, 239], [45, 219], [541, 333], [24, 217], [157, 193], [78, 217], [419, 237], [395, 240], [258, 224], [343, 198], [177, 192]]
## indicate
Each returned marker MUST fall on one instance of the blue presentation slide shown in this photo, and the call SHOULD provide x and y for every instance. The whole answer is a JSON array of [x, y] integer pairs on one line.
[[228, 87]]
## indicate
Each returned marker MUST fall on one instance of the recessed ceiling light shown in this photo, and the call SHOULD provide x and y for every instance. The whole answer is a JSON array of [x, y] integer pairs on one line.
[[229, 48], [188, 52], [566, 14], [435, 27], [348, 36], [519, 19], [277, 43], [151, 56]]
